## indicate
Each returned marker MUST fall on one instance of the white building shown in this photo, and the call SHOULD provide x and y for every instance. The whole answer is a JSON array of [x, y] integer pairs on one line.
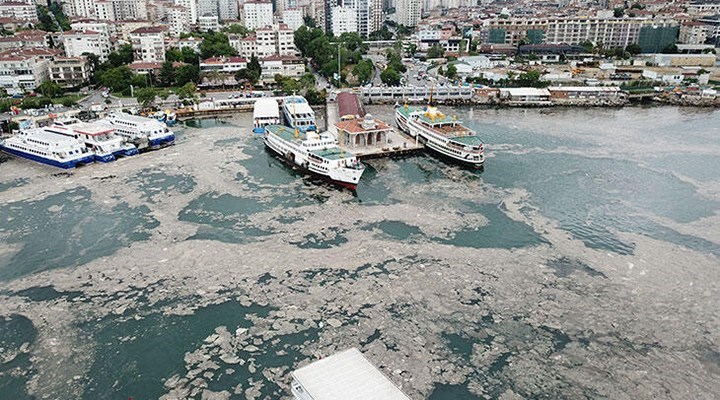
[[344, 19], [269, 41], [289, 66], [18, 10], [208, 23], [148, 44], [126, 10], [207, 7], [79, 8], [408, 12], [191, 9], [79, 42], [178, 19], [227, 9], [20, 74], [228, 65], [257, 14], [104, 10], [92, 25], [293, 18]]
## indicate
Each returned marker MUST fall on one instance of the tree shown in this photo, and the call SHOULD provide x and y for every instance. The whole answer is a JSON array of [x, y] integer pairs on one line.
[[618, 12], [50, 89], [254, 67], [216, 44], [316, 98], [353, 42], [364, 70], [167, 74], [146, 96], [186, 91], [670, 49], [117, 79], [309, 22], [440, 71], [633, 49], [187, 73], [436, 52], [390, 77], [123, 56], [451, 72], [238, 30]]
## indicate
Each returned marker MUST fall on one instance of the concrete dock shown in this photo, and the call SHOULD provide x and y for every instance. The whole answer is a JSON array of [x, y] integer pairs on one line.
[[397, 142]]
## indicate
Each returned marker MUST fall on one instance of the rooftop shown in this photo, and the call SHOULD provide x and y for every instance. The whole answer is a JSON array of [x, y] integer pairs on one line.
[[355, 126], [349, 376]]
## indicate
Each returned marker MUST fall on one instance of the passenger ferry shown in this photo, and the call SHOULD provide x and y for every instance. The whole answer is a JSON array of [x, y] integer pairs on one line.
[[265, 112], [298, 113], [99, 139], [48, 148], [140, 131], [443, 134], [315, 153]]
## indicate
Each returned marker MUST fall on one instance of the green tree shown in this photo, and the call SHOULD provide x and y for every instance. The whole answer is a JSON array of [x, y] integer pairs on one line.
[[146, 96], [436, 51], [618, 12], [216, 44], [633, 49], [117, 79], [123, 56], [309, 22], [50, 89], [167, 74], [353, 42], [364, 70], [186, 91], [187, 73], [451, 71], [238, 29], [390, 77], [316, 98], [254, 67]]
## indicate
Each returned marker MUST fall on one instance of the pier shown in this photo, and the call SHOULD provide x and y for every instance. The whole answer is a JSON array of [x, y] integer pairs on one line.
[[441, 94], [392, 143]]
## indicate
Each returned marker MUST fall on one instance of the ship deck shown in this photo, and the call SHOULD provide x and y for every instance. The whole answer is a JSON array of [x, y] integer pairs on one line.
[[286, 133], [446, 126]]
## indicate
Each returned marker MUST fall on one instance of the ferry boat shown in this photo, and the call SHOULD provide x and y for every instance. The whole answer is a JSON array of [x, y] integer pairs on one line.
[[265, 112], [442, 134], [48, 148], [99, 139], [140, 131], [298, 113], [315, 153]]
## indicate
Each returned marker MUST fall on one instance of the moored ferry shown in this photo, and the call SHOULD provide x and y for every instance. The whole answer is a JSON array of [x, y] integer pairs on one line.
[[265, 112], [140, 131], [442, 134], [99, 139], [48, 148], [315, 153], [298, 113]]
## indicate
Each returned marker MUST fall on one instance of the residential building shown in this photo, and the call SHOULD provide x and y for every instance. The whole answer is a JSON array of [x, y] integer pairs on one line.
[[207, 7], [257, 14], [225, 65], [144, 68], [272, 40], [104, 10], [288, 66], [408, 12], [126, 10], [91, 25], [344, 19], [79, 42], [293, 18], [191, 42], [148, 44], [25, 40], [320, 11], [191, 7], [69, 72], [19, 11], [20, 74], [246, 47], [208, 23], [79, 8], [227, 9], [178, 20]]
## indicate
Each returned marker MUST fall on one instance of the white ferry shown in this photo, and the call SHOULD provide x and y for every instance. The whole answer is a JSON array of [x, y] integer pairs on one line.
[[444, 135], [315, 153], [298, 113], [140, 131], [265, 112], [99, 139], [48, 148]]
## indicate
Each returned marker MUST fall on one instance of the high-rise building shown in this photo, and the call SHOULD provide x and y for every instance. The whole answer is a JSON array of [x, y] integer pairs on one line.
[[293, 18], [227, 9], [257, 14], [77, 43], [408, 12], [104, 10], [320, 11], [178, 20], [207, 7], [344, 19], [130, 9], [148, 44], [191, 9]]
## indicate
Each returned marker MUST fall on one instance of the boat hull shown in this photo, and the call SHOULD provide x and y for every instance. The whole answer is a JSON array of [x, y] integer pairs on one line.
[[161, 141], [105, 158], [65, 165], [292, 164]]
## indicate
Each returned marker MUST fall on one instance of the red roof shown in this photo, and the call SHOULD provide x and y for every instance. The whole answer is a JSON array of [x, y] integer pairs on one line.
[[149, 29], [354, 126], [224, 60], [349, 105]]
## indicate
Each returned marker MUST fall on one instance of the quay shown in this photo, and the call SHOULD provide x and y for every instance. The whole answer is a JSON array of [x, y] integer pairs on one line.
[[363, 135]]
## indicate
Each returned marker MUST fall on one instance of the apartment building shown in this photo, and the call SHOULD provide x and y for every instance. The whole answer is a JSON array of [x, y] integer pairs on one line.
[[293, 18], [269, 41], [148, 44], [344, 19], [288, 66], [19, 11], [69, 72], [225, 65], [208, 23], [178, 20], [79, 42], [20, 74], [257, 14]]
